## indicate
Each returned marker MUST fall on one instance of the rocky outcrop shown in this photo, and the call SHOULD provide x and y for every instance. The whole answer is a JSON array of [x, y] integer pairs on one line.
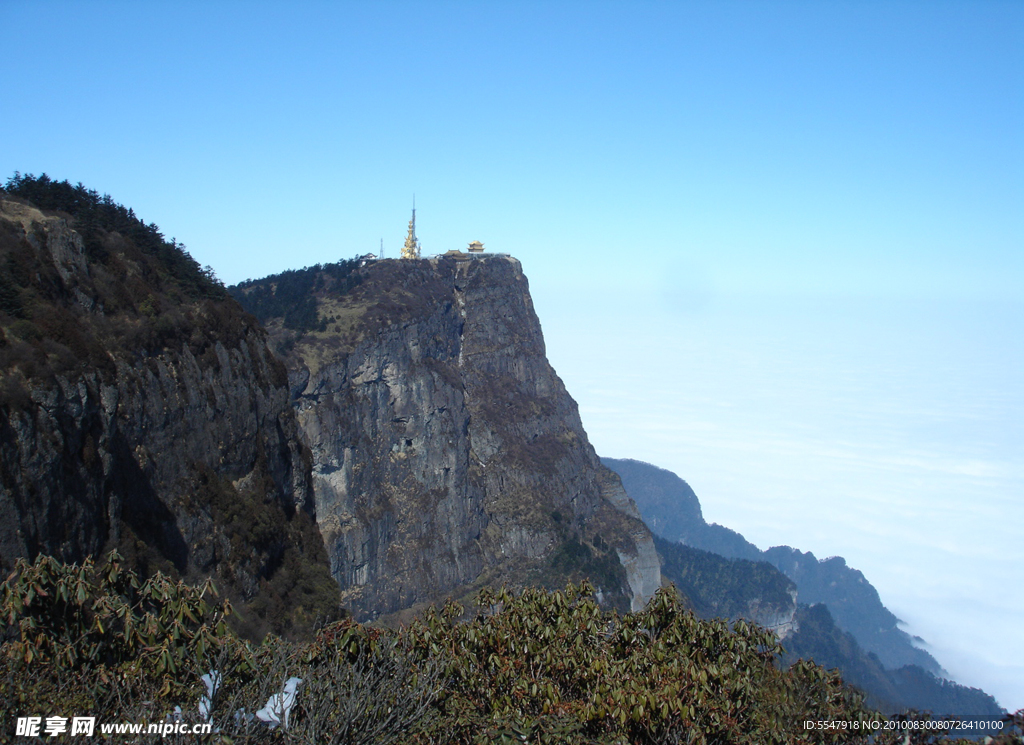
[[446, 451], [643, 568], [136, 417], [781, 620]]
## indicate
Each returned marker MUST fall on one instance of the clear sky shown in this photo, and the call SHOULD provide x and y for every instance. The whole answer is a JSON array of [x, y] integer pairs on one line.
[[777, 247]]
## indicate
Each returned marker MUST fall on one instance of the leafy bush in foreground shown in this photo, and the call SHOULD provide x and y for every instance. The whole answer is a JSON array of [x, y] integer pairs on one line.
[[534, 667], [553, 667]]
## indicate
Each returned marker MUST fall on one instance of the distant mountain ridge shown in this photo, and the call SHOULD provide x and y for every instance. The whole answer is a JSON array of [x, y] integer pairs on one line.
[[852, 600], [838, 619]]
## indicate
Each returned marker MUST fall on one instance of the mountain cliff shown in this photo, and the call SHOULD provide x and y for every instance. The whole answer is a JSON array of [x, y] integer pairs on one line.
[[446, 451], [418, 445], [141, 410], [413, 445]]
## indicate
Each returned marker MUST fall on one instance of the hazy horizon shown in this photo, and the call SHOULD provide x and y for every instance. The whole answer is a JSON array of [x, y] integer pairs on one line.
[[776, 248]]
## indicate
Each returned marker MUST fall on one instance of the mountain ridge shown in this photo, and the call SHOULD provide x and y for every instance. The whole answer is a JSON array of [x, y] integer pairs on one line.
[[142, 411], [853, 601], [837, 616]]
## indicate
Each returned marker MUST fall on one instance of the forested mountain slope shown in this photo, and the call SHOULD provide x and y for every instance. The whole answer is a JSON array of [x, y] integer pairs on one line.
[[140, 409], [722, 572]]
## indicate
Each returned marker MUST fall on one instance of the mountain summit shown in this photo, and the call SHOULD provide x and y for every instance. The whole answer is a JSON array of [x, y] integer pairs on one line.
[[446, 451]]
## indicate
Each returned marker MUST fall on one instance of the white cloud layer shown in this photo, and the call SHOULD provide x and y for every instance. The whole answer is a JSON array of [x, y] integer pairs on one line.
[[844, 428]]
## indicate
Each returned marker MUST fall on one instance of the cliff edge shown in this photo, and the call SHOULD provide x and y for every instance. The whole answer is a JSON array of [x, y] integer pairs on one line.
[[447, 453]]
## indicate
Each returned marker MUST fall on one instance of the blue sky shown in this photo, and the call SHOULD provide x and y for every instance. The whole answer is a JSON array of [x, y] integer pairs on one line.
[[784, 211], [779, 146]]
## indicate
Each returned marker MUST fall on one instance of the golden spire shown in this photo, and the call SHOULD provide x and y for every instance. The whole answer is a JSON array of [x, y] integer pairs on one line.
[[411, 249]]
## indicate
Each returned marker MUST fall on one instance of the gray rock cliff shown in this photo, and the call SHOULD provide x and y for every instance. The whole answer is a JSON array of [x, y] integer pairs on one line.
[[446, 451]]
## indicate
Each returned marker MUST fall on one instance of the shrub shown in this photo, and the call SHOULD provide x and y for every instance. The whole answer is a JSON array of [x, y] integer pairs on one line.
[[534, 667], [554, 667], [73, 615]]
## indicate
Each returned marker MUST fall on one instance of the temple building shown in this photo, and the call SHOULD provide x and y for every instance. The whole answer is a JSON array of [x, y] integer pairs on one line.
[[411, 249], [475, 251]]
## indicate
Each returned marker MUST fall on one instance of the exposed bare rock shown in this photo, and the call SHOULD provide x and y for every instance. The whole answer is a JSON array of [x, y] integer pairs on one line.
[[446, 450]]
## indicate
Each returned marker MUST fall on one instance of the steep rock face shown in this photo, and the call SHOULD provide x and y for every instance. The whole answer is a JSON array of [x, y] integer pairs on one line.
[[782, 621], [446, 451], [136, 417], [643, 568]]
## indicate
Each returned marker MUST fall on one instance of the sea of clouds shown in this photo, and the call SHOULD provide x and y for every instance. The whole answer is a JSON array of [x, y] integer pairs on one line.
[[889, 433]]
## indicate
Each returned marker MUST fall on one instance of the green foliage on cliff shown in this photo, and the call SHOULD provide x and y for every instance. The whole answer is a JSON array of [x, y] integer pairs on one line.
[[97, 216], [139, 293], [536, 667], [720, 587], [291, 295]]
